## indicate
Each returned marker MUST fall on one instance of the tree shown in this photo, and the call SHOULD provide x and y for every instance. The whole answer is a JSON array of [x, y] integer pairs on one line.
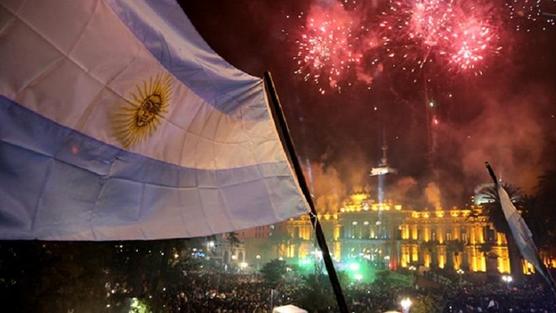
[[273, 272], [541, 216], [492, 206], [233, 239], [316, 294], [493, 210]]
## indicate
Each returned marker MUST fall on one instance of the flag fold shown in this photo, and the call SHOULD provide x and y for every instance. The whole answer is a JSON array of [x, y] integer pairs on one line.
[[118, 122]]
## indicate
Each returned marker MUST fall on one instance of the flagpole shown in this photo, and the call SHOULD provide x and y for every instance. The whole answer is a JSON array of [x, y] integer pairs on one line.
[[283, 130], [492, 175], [548, 277]]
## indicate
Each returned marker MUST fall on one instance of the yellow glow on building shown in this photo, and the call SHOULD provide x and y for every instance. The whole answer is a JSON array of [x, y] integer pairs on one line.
[[414, 232], [414, 253], [427, 260], [450, 239], [336, 234], [478, 260], [476, 235], [305, 232], [405, 258], [291, 251], [480, 234], [304, 250], [503, 259], [440, 234], [426, 234], [441, 256], [405, 232], [501, 239], [550, 262], [337, 250], [456, 233], [358, 198], [458, 259], [528, 268]]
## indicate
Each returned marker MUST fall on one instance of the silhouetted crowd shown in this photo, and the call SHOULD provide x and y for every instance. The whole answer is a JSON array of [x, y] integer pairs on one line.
[[226, 293], [495, 298], [220, 293]]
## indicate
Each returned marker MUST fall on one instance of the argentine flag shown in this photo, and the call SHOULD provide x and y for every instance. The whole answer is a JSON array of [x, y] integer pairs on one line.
[[118, 122], [523, 237]]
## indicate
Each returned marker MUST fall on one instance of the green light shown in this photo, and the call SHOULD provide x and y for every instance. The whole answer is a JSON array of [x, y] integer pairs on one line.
[[137, 306], [360, 271], [305, 262], [354, 267]]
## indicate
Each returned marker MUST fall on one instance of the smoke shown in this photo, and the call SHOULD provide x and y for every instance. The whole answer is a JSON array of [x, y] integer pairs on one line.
[[509, 133], [432, 192], [327, 188], [335, 176], [403, 190]]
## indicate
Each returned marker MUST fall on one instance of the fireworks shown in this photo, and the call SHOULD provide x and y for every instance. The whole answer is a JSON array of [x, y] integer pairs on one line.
[[525, 14], [326, 49], [457, 36], [337, 46]]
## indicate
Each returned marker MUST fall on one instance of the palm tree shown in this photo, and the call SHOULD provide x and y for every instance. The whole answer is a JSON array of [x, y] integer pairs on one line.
[[233, 240], [493, 210], [541, 216]]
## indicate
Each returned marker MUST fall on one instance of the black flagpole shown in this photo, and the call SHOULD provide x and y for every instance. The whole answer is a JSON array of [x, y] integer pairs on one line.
[[287, 141]]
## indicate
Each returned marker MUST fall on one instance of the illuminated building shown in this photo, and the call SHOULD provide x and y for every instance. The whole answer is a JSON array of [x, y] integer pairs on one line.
[[389, 235], [393, 236], [453, 239]]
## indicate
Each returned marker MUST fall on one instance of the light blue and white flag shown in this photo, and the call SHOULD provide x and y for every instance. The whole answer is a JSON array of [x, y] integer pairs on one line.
[[522, 235], [117, 122]]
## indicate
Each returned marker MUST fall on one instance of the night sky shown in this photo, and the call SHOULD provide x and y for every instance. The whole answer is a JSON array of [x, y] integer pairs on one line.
[[505, 116]]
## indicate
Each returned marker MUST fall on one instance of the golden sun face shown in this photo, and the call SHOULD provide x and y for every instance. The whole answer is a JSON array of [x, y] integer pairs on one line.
[[139, 117]]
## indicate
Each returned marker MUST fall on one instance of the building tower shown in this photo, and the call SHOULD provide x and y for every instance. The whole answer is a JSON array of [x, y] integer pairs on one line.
[[382, 170]]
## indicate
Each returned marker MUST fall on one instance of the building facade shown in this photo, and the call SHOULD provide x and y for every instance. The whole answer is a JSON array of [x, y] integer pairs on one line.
[[393, 236]]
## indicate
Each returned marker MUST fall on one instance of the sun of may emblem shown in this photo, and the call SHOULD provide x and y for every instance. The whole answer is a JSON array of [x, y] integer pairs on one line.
[[139, 117]]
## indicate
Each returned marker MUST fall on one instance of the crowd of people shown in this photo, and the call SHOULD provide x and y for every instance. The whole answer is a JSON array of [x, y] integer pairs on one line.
[[218, 292], [490, 298]]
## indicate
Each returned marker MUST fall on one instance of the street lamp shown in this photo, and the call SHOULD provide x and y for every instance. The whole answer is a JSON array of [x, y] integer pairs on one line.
[[406, 304], [258, 257], [243, 265]]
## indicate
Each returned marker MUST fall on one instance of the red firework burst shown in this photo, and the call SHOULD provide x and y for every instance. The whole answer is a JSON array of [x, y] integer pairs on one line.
[[456, 34], [327, 49]]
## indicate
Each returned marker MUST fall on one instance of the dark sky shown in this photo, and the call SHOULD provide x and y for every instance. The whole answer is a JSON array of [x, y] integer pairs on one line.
[[506, 116]]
